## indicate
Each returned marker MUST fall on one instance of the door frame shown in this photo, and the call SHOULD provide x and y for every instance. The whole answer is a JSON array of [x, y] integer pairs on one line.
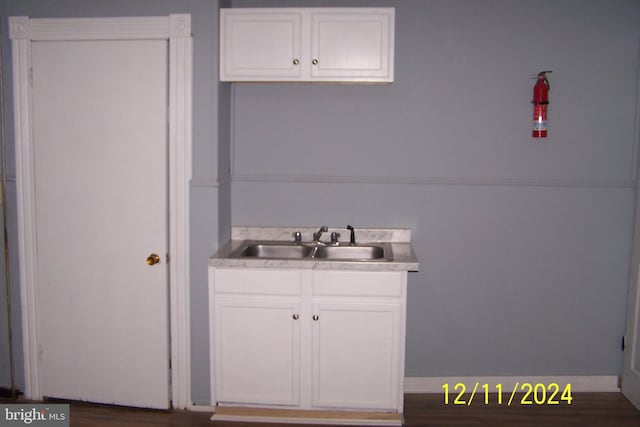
[[176, 29]]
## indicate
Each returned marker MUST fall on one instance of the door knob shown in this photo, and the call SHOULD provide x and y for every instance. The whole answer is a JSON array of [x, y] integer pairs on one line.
[[153, 259]]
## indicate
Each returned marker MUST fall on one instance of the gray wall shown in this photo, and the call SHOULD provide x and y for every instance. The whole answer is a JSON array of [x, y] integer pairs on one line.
[[524, 244]]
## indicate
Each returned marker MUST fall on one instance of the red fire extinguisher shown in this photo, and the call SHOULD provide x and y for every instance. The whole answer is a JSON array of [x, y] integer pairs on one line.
[[540, 105]]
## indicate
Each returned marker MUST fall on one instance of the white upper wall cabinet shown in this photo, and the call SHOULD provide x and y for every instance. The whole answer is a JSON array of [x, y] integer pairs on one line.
[[307, 44], [260, 44]]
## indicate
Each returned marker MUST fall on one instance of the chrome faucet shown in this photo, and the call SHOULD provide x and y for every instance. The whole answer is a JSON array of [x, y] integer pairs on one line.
[[316, 236]]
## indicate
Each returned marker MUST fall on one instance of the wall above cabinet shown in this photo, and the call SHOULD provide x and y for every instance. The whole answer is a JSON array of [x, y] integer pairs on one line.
[[307, 44]]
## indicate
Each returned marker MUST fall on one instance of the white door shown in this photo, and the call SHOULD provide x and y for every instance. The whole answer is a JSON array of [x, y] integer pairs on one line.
[[348, 45], [258, 350], [259, 45], [631, 371], [369, 333], [100, 162]]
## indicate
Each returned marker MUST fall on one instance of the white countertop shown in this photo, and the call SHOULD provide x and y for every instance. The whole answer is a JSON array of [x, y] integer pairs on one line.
[[404, 258]]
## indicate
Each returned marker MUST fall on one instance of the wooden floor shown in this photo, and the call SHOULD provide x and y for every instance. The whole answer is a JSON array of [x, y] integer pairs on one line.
[[421, 410]]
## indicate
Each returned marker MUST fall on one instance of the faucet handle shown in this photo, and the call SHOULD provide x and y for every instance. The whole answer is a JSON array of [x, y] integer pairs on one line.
[[334, 237], [297, 237]]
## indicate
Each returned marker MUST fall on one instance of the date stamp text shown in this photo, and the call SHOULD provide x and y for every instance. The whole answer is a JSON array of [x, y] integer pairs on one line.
[[520, 394]]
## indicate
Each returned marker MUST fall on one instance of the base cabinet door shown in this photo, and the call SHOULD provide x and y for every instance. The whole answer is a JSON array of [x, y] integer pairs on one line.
[[356, 355], [257, 350]]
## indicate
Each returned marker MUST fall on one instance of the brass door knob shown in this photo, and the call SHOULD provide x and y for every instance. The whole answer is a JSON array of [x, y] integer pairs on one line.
[[153, 259]]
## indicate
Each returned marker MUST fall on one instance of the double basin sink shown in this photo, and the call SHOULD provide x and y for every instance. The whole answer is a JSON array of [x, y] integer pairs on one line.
[[314, 251]]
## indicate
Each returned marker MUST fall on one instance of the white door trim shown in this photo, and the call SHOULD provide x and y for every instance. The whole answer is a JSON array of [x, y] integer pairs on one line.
[[177, 30]]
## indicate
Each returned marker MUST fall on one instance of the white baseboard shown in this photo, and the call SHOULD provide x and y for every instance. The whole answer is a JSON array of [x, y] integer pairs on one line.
[[587, 383]]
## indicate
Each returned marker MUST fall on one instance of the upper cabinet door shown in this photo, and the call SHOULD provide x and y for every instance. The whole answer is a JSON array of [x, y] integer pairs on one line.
[[307, 44], [352, 45], [260, 45]]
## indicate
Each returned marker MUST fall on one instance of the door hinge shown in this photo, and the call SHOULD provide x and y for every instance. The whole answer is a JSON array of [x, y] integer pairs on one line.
[[624, 342]]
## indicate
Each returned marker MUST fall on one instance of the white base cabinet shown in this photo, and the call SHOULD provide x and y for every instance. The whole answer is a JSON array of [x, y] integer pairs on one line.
[[306, 339]]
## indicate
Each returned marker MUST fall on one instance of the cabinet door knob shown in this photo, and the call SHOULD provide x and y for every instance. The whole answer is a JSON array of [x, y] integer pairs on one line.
[[314, 61], [296, 316], [296, 61], [315, 317]]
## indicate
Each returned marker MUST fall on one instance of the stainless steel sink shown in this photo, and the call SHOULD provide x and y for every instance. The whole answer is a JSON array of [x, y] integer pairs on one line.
[[313, 251], [275, 250], [355, 252]]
